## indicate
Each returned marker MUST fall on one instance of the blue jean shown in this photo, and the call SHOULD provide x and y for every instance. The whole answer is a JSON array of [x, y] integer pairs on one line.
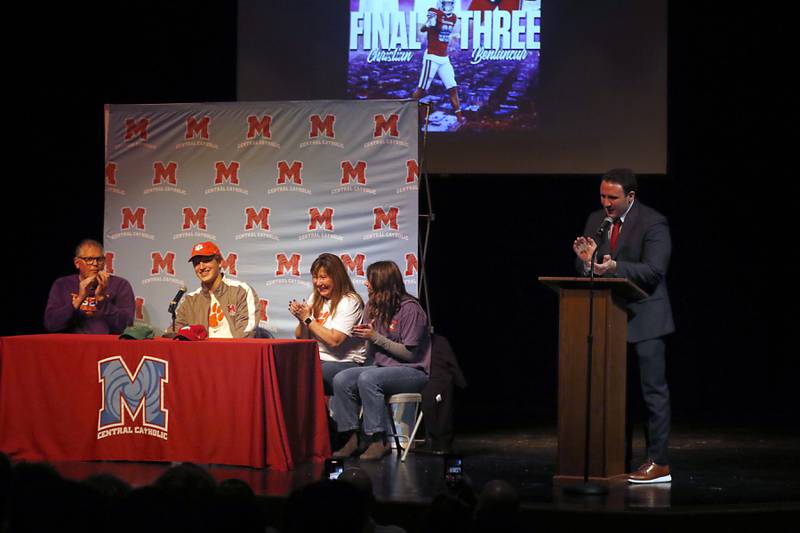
[[367, 387], [329, 370]]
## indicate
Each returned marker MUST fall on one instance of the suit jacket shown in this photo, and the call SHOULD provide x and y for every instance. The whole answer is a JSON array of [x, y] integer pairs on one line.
[[642, 256]]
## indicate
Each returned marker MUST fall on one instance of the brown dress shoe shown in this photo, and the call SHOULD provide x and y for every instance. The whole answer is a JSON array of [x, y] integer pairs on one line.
[[651, 473], [350, 447], [377, 450]]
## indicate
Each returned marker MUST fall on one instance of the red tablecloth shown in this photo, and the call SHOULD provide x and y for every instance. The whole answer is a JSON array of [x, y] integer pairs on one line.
[[250, 402]]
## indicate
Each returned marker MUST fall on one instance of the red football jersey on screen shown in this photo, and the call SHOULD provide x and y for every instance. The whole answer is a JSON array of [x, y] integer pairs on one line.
[[439, 36]]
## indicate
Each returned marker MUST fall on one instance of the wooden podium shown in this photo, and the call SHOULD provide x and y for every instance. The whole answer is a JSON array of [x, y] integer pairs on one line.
[[609, 360]]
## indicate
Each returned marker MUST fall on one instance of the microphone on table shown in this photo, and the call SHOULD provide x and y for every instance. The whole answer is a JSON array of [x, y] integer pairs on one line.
[[172, 306], [174, 303]]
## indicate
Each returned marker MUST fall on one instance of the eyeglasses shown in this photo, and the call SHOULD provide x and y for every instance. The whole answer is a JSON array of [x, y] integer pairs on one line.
[[93, 260]]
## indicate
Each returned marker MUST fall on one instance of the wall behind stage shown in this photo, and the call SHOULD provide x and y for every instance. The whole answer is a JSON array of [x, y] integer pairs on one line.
[[274, 184], [723, 359]]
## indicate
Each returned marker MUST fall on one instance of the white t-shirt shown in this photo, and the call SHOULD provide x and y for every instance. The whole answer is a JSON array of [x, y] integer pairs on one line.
[[349, 312]]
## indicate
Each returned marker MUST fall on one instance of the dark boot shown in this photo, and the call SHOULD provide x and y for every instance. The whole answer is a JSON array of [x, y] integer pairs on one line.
[[350, 448], [377, 448]]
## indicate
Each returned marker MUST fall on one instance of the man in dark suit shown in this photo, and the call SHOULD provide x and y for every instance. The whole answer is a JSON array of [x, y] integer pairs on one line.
[[637, 247]]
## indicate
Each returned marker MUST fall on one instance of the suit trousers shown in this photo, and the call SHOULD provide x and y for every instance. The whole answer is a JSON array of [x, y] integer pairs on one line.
[[651, 357]]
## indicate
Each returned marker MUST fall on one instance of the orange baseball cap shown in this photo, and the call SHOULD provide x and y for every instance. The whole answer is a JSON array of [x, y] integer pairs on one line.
[[204, 249]]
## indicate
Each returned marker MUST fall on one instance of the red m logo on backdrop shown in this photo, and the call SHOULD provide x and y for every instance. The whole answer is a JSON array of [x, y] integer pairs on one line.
[[412, 173], [256, 126], [229, 263], [139, 306], [194, 218], [386, 125], [134, 128], [161, 263], [411, 264], [382, 218], [315, 218], [228, 173], [287, 173], [354, 265], [357, 173], [318, 125], [110, 262], [133, 218], [111, 174], [287, 265], [165, 173], [262, 308], [253, 218], [194, 127]]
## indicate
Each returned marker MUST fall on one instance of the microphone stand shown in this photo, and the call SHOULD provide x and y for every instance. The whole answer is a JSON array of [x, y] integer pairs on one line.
[[171, 311], [589, 489], [173, 305]]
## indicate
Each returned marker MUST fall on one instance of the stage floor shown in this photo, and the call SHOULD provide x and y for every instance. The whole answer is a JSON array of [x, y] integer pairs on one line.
[[746, 472]]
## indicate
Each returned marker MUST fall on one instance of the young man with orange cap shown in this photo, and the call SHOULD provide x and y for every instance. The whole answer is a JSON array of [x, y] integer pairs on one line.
[[228, 308]]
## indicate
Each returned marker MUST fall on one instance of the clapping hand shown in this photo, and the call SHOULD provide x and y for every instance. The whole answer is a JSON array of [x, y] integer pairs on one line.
[[584, 248], [102, 283], [606, 266], [364, 331], [300, 310]]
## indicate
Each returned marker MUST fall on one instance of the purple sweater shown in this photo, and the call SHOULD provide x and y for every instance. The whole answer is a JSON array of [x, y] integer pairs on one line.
[[111, 316], [409, 327]]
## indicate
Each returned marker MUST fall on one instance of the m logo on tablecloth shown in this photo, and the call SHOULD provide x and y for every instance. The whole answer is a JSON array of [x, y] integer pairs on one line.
[[139, 394]]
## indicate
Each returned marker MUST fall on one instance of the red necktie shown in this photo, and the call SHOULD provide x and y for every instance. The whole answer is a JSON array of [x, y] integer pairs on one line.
[[615, 235]]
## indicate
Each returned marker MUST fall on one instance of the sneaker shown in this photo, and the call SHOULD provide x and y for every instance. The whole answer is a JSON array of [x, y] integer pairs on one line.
[[651, 473]]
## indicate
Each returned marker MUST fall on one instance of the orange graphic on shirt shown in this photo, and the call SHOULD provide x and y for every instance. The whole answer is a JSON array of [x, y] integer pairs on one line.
[[216, 316], [89, 305], [321, 319]]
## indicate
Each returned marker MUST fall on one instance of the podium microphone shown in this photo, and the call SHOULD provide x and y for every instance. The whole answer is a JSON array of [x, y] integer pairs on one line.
[[602, 231], [174, 303]]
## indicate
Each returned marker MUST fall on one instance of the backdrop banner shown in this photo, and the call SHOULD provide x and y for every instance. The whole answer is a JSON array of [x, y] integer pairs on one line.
[[274, 184]]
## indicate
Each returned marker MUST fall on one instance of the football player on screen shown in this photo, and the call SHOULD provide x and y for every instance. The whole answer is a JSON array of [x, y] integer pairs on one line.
[[439, 26]]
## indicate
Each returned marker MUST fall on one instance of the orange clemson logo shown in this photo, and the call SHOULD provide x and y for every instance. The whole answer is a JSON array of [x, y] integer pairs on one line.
[[321, 319], [216, 316]]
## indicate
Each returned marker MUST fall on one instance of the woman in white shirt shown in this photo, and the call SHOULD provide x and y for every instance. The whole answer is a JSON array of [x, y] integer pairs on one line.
[[329, 316]]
